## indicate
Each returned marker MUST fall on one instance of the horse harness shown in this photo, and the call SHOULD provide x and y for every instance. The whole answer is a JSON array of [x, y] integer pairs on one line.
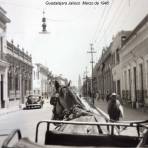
[[74, 112]]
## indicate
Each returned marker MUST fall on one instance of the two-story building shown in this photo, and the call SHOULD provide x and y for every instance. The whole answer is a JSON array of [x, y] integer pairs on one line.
[[3, 63], [19, 74], [117, 43], [134, 65], [104, 73]]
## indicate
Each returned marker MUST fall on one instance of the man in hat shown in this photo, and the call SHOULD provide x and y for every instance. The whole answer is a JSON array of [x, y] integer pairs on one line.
[[115, 109]]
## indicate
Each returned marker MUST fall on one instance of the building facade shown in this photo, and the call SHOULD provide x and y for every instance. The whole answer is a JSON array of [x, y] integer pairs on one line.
[[134, 66], [19, 73], [116, 46], [104, 74], [3, 63], [123, 68], [40, 80]]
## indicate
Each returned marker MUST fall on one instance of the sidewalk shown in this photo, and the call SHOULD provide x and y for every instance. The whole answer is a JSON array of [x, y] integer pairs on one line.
[[4, 111], [129, 113]]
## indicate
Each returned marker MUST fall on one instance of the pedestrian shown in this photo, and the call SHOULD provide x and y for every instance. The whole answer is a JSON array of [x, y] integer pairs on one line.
[[97, 96], [115, 109]]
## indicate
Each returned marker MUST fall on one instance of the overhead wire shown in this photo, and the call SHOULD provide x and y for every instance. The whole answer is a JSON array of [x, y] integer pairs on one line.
[[101, 36], [104, 18], [100, 16], [114, 19]]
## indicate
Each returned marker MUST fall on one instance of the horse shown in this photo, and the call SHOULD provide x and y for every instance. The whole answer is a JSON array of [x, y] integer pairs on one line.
[[68, 106]]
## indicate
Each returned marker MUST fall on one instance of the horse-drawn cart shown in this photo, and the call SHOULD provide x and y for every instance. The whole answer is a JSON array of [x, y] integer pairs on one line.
[[76, 124], [57, 138]]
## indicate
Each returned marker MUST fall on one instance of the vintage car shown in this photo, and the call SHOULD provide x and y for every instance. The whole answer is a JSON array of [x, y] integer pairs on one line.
[[34, 101]]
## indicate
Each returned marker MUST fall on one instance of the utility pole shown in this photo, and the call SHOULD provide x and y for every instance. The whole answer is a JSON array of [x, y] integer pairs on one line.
[[92, 62]]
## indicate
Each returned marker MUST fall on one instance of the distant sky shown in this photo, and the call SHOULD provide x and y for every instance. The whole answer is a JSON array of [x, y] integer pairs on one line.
[[72, 29]]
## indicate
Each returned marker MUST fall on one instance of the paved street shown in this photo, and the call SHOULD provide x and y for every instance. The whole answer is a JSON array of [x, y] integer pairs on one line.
[[25, 120], [129, 113]]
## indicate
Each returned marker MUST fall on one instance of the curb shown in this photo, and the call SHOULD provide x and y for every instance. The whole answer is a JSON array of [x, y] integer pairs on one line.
[[140, 109]]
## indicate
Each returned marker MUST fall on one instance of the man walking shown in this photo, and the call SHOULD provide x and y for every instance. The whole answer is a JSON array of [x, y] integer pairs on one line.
[[115, 109]]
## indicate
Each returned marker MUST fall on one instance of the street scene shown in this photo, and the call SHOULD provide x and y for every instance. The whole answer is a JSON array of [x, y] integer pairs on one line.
[[73, 73]]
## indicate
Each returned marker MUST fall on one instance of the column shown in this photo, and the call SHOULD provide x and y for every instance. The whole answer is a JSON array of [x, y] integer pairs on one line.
[[21, 91]]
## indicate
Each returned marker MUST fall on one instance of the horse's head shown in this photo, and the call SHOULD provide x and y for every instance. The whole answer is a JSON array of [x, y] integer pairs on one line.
[[63, 100]]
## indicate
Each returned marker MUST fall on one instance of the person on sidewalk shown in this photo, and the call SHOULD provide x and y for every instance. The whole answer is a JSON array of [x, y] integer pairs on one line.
[[115, 109], [97, 96]]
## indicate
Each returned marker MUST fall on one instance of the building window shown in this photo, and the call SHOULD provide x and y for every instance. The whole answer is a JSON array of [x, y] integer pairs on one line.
[[10, 81], [141, 76], [129, 75], [125, 78], [16, 83], [135, 83], [123, 38], [117, 56], [1, 44], [1, 47], [118, 87]]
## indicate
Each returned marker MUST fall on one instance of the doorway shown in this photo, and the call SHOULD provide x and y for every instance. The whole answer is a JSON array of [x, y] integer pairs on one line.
[[2, 92]]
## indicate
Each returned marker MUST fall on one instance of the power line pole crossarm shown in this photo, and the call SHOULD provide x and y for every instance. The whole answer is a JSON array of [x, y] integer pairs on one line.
[[91, 52]]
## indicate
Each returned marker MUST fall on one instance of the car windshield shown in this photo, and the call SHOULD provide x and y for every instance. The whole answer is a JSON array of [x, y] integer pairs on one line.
[[34, 98]]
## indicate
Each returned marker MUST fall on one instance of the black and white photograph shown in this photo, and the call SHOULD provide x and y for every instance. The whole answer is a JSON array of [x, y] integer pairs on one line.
[[73, 73]]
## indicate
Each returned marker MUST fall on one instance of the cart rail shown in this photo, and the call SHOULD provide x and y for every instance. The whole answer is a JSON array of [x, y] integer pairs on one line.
[[136, 124]]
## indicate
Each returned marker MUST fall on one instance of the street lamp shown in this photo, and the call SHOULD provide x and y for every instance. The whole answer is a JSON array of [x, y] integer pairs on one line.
[[44, 25]]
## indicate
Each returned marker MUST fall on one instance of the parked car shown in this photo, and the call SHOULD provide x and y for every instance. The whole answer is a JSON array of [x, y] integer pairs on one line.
[[34, 101]]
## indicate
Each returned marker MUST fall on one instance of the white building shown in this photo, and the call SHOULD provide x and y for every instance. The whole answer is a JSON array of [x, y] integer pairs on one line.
[[116, 60], [40, 80], [134, 65], [19, 74], [3, 64]]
